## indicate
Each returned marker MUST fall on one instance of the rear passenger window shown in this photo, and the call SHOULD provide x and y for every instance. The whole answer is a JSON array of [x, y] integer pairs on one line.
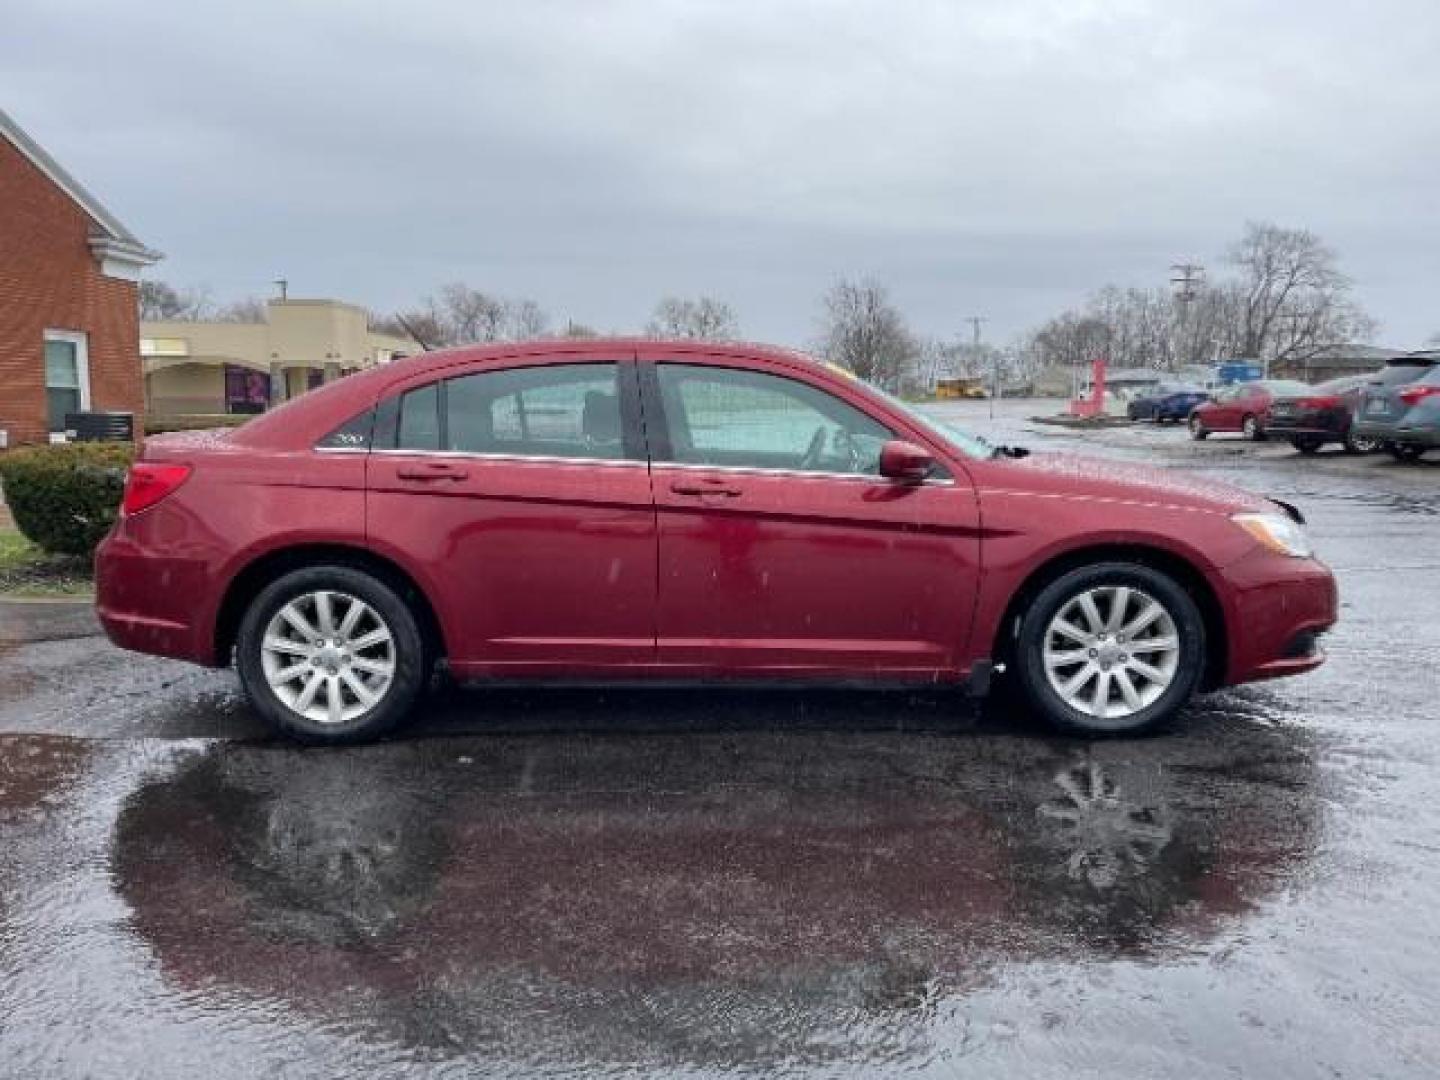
[[551, 410], [419, 427], [354, 434]]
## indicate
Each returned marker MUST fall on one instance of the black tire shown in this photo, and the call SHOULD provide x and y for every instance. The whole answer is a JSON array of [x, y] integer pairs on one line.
[[1360, 444], [1197, 429], [1402, 452], [412, 657], [1307, 446], [1030, 644], [1250, 428]]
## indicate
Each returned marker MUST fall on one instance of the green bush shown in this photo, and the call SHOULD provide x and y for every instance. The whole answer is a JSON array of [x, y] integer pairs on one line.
[[64, 498]]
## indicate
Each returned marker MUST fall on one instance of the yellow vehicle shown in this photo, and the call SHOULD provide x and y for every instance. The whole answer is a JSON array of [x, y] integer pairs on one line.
[[956, 387]]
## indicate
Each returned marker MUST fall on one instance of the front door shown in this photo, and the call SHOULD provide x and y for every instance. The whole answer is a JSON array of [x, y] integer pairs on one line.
[[781, 549], [522, 493]]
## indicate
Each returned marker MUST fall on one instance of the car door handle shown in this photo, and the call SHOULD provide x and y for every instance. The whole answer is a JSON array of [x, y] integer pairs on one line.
[[432, 470], [704, 487]]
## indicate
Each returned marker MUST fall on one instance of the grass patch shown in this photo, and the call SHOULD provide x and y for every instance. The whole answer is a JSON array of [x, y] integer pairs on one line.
[[26, 571]]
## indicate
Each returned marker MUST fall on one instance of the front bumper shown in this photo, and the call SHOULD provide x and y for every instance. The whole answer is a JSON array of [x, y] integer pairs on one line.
[[1281, 607]]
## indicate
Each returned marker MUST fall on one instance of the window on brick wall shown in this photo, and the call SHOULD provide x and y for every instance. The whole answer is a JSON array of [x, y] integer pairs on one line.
[[67, 375]]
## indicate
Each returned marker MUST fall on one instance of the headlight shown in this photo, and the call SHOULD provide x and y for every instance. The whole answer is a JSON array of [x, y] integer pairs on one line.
[[1277, 532]]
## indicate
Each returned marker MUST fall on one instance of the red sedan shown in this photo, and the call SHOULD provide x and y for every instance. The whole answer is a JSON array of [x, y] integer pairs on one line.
[[660, 510], [1244, 408]]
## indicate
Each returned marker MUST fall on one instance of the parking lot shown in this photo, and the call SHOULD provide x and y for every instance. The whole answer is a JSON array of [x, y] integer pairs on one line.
[[556, 881]]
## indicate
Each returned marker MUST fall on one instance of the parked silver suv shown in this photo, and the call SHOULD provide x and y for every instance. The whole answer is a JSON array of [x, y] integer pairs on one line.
[[1403, 413]]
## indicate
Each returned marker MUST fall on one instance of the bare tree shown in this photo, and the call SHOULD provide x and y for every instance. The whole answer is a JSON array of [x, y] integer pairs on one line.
[[461, 315], [861, 330], [578, 330], [469, 314], [161, 301], [249, 310], [526, 320], [703, 319], [1296, 300]]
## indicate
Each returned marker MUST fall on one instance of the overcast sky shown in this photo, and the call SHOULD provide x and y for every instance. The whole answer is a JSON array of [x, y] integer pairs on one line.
[[1001, 158]]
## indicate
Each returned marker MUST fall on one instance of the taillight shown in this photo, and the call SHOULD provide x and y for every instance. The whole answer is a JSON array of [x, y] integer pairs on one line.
[[1413, 395], [150, 481], [1320, 403]]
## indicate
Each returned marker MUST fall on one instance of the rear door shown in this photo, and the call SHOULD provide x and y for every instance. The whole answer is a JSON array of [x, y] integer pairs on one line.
[[781, 549], [521, 495]]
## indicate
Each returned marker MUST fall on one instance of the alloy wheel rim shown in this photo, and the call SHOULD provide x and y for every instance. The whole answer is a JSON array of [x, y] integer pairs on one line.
[[328, 656], [1111, 652]]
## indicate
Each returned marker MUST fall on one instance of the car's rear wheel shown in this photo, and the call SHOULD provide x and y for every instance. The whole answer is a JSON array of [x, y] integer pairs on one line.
[[331, 654], [1110, 649], [1251, 429], [1360, 444], [1310, 445], [1197, 428], [1402, 452]]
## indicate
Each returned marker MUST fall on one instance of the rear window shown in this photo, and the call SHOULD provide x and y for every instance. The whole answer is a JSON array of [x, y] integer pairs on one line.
[[1399, 374], [354, 434]]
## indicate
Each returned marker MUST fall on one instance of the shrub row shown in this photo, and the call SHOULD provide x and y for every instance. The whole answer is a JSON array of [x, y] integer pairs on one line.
[[65, 498]]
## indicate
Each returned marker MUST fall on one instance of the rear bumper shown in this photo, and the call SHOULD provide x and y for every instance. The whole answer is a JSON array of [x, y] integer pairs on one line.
[[1284, 427], [1282, 606], [151, 603], [1375, 429], [1428, 437]]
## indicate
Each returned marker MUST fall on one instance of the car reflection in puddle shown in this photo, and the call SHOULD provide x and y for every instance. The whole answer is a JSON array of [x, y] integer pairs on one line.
[[713, 898]]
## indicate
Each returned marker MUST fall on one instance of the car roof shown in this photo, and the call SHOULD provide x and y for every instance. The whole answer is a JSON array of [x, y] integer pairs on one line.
[[303, 419]]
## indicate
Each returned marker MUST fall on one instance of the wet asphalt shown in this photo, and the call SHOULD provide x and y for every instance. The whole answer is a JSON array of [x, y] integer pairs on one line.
[[582, 882]]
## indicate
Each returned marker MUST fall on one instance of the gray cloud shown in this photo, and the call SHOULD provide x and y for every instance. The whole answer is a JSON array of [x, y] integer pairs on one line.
[[1000, 158]]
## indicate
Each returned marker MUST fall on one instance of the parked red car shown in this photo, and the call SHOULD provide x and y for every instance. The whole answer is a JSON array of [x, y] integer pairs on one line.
[[1244, 407], [664, 510]]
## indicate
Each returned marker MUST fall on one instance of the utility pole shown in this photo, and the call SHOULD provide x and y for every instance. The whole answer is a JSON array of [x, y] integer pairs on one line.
[[283, 284], [976, 321], [1186, 279]]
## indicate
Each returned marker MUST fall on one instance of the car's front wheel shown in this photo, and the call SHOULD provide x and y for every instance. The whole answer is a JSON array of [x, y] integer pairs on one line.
[[1110, 649], [1198, 430], [1307, 445], [331, 654], [1251, 429]]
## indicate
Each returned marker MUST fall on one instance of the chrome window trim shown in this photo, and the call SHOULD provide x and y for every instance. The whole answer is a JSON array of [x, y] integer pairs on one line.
[[474, 455], [741, 470]]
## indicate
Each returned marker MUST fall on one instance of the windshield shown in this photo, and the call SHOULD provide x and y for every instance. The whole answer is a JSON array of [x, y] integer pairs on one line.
[[967, 443]]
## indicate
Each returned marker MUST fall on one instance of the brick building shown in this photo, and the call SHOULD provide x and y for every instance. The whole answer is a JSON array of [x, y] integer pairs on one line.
[[69, 329]]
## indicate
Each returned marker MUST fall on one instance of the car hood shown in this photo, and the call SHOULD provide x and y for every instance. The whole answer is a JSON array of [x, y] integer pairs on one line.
[[1106, 478]]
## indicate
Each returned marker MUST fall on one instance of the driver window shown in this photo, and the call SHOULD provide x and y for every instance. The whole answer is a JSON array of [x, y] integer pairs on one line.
[[735, 418]]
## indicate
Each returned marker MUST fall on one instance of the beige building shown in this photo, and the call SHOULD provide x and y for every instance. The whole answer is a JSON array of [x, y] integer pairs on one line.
[[208, 368]]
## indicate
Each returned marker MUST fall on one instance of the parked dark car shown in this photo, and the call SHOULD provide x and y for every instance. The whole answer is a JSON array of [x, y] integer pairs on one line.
[[672, 510], [1171, 402], [1404, 416], [1244, 407], [1321, 416]]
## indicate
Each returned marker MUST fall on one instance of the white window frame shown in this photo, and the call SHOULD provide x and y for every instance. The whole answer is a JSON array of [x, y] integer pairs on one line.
[[81, 341]]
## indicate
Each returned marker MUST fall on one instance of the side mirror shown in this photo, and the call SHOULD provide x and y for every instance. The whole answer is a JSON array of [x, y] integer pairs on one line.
[[904, 461]]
